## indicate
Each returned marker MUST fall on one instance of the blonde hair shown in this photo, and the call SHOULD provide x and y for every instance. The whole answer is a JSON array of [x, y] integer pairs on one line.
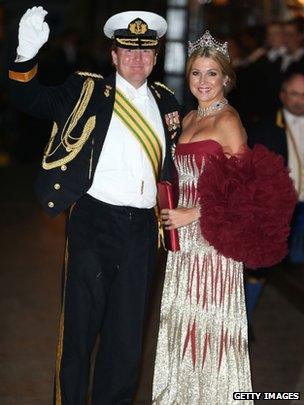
[[219, 58]]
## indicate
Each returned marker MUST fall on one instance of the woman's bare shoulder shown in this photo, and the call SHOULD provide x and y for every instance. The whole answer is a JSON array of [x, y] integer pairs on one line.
[[229, 121], [231, 130], [229, 118]]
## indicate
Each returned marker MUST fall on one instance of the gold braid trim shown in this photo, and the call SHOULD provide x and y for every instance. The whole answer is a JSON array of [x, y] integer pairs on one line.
[[89, 74], [23, 77], [164, 87], [127, 41], [72, 145], [279, 119], [53, 134], [61, 323], [137, 41]]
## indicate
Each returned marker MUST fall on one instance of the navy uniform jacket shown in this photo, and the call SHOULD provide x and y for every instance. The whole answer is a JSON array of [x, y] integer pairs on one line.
[[82, 107]]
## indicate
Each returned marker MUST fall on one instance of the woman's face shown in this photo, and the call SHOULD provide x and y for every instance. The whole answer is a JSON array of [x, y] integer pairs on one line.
[[206, 80]]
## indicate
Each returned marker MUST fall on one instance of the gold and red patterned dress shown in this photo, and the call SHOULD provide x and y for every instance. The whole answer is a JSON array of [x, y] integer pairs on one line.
[[202, 351]]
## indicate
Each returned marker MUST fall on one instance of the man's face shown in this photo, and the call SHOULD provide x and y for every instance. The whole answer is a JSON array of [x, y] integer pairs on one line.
[[275, 36], [292, 95], [292, 37], [134, 65]]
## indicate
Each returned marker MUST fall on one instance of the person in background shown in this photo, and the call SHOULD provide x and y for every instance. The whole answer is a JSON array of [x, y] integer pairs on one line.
[[267, 70], [111, 142], [238, 95], [274, 41], [246, 48], [293, 58]]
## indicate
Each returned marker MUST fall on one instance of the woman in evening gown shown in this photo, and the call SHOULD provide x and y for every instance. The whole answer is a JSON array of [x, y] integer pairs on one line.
[[202, 351]]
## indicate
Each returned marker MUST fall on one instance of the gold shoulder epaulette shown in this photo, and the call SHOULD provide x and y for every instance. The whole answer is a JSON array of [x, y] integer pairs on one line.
[[89, 74], [164, 87]]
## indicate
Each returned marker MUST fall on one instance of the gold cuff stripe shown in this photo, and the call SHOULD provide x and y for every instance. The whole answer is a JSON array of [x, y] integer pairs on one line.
[[23, 77]]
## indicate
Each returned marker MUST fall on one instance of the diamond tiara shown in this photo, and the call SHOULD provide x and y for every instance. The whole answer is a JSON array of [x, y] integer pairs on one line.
[[207, 41]]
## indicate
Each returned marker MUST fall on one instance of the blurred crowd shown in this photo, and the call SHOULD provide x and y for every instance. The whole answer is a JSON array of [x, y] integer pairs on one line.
[[261, 57]]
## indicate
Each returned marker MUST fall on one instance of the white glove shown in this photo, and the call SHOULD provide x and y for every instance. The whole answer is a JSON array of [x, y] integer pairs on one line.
[[33, 33]]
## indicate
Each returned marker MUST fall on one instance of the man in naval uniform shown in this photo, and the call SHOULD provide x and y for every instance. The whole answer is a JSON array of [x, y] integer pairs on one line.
[[111, 141]]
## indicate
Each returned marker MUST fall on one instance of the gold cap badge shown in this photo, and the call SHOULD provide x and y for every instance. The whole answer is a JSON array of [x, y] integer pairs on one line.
[[138, 27]]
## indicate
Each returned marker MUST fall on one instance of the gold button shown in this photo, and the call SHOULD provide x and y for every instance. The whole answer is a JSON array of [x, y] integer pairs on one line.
[[63, 168], [51, 204], [57, 186]]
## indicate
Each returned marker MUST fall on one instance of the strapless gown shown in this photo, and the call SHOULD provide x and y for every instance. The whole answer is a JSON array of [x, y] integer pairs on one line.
[[202, 350]]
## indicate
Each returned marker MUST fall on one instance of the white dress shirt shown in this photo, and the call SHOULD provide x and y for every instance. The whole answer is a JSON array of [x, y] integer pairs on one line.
[[288, 59], [274, 53], [124, 174], [295, 148]]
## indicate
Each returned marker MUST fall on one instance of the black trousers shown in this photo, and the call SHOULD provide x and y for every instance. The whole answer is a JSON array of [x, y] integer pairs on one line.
[[110, 259]]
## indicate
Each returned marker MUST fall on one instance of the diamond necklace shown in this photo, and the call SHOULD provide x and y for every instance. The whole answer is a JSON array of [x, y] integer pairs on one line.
[[216, 106]]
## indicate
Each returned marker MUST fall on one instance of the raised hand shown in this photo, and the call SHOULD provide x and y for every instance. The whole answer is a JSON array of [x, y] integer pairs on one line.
[[33, 32]]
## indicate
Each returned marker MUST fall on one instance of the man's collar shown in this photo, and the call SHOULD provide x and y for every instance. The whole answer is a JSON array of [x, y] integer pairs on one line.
[[292, 118], [274, 53], [129, 89]]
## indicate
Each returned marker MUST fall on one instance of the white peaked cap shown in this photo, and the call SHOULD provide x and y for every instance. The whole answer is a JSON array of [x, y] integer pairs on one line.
[[122, 20]]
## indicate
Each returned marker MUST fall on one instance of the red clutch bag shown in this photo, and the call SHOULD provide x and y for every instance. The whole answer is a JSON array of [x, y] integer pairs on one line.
[[166, 200]]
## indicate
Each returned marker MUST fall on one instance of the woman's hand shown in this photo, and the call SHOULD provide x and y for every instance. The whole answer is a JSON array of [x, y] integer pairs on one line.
[[172, 219]]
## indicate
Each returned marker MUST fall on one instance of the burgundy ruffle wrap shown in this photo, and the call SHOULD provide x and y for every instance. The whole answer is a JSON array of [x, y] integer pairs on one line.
[[247, 202]]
